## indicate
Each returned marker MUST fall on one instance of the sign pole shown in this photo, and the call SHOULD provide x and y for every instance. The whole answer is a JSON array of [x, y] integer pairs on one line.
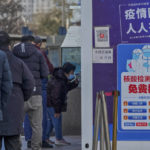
[[115, 111], [96, 123]]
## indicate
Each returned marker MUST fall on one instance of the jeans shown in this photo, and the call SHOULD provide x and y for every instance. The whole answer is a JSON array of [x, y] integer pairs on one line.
[[45, 115], [27, 127], [55, 123]]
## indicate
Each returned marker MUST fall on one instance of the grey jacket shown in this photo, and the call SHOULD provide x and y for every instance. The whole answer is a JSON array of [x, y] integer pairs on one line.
[[35, 62], [23, 84]]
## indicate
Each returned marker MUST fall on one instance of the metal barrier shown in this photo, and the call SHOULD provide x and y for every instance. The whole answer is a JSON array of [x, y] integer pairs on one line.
[[101, 122]]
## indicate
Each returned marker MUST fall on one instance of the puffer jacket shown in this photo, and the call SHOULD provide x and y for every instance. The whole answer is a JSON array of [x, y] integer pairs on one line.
[[35, 61], [23, 84], [50, 65], [5, 80], [57, 90]]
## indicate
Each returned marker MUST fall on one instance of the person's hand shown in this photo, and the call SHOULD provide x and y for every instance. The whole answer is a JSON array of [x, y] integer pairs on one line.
[[57, 115], [76, 81]]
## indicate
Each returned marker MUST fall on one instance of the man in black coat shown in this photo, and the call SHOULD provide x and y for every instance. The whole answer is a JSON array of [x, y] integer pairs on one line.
[[37, 65], [27, 127], [23, 84]]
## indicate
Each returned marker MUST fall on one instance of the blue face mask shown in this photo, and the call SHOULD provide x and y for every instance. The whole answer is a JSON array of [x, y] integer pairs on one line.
[[136, 56], [71, 77]]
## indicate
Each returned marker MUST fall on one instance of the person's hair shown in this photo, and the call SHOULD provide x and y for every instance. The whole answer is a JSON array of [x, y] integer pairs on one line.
[[37, 40], [27, 38], [4, 38], [68, 67]]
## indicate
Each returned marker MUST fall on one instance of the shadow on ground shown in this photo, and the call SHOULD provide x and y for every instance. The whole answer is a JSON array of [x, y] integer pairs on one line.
[[74, 140]]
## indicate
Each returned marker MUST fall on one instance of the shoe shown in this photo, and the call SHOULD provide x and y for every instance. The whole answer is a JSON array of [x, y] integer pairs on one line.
[[45, 144], [50, 142], [62, 143], [29, 144]]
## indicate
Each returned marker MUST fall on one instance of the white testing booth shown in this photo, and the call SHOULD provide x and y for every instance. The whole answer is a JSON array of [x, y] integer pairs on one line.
[[71, 52]]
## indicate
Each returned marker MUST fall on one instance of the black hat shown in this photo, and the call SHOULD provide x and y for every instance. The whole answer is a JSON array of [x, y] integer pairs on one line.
[[27, 38], [37, 40], [4, 38]]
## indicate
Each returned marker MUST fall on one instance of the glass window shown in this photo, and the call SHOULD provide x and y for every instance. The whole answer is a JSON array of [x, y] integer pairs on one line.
[[54, 56], [73, 55]]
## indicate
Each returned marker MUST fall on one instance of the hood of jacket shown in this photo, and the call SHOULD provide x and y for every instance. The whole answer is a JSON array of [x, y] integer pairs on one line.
[[23, 50], [59, 74], [7, 51]]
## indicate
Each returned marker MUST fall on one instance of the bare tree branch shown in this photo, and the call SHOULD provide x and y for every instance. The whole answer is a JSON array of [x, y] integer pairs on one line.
[[10, 16]]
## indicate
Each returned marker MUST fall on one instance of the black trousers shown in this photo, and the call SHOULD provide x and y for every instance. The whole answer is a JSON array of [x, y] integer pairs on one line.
[[11, 142]]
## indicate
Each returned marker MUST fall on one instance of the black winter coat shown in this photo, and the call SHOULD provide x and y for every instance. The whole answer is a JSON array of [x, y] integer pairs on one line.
[[5, 80], [57, 90], [35, 62], [23, 84]]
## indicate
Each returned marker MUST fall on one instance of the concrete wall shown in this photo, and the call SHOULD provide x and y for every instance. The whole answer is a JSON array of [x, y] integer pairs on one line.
[[72, 118]]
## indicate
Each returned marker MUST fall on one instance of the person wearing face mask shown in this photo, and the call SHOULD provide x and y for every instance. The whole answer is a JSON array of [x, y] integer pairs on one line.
[[61, 83]]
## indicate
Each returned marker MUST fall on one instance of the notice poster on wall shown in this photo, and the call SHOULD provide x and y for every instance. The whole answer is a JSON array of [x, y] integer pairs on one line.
[[134, 84], [102, 37], [134, 21], [103, 55], [135, 89]]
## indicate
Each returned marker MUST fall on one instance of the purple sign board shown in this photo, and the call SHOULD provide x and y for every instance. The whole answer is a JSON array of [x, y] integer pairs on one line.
[[128, 22], [135, 21]]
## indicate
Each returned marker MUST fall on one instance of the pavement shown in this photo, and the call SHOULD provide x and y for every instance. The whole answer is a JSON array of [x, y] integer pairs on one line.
[[74, 140]]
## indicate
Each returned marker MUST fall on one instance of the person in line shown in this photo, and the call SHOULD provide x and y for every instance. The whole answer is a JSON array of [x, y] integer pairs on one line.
[[13, 113], [57, 90], [28, 131], [37, 65], [38, 43], [5, 82]]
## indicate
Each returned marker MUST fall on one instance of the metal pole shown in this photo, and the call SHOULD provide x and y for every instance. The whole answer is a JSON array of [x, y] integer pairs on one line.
[[63, 13], [96, 122], [101, 128], [105, 119], [115, 111]]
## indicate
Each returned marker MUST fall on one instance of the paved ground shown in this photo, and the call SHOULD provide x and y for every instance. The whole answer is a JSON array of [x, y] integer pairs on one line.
[[75, 140]]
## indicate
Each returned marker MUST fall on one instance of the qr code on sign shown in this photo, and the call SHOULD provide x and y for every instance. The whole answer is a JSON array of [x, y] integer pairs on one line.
[[102, 35]]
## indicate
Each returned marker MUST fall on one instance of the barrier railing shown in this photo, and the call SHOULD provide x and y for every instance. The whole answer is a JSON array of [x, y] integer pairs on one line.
[[101, 122]]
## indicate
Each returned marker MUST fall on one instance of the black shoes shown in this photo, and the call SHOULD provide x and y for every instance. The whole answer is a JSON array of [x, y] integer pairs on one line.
[[29, 144], [46, 145]]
